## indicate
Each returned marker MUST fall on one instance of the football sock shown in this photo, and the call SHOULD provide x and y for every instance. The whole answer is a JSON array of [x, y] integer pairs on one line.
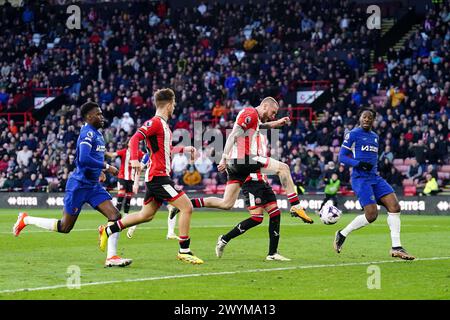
[[126, 207], [44, 223], [357, 223], [198, 202], [112, 243], [171, 224], [394, 223], [119, 201], [293, 199], [115, 227], [184, 242], [242, 227], [274, 231]]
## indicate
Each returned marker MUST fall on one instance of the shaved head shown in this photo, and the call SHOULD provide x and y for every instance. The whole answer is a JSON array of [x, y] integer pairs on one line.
[[267, 109], [270, 100]]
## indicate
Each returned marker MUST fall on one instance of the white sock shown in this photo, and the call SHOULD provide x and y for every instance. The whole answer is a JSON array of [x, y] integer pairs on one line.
[[357, 223], [171, 223], [113, 240], [44, 223], [394, 223]]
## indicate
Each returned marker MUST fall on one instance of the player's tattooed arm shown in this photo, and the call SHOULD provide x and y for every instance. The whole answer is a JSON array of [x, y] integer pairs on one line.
[[275, 124]]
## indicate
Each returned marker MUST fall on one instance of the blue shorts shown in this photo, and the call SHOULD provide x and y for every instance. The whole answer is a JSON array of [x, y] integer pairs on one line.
[[78, 193], [370, 190]]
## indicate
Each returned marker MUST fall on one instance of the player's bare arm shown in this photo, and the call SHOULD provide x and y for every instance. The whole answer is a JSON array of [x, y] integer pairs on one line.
[[275, 124], [236, 132]]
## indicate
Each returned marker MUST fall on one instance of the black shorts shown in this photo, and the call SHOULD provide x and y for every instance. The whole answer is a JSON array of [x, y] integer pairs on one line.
[[161, 189], [258, 194], [126, 185], [239, 169]]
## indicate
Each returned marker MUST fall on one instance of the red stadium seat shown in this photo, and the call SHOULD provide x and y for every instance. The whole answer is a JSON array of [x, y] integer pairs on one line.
[[210, 189], [220, 188], [408, 182], [409, 191]]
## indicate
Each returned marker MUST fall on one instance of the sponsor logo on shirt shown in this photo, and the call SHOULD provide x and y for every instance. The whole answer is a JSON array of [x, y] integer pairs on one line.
[[369, 148]]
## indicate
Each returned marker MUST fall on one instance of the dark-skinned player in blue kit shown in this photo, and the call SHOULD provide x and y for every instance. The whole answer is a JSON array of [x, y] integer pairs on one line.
[[360, 151], [84, 185]]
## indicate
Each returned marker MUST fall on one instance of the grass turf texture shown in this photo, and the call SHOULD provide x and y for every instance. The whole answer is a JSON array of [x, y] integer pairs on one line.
[[40, 259]]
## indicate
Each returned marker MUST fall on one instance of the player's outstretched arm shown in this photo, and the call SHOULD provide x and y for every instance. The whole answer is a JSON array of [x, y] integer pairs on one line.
[[275, 124]]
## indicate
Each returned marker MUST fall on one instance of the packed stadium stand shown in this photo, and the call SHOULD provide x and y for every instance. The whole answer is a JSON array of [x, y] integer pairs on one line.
[[220, 58]]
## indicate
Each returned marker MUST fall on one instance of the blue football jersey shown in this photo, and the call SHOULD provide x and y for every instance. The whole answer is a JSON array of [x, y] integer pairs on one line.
[[92, 137], [364, 145]]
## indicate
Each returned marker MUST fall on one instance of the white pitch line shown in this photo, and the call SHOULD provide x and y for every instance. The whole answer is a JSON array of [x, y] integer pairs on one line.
[[228, 225], [221, 273]]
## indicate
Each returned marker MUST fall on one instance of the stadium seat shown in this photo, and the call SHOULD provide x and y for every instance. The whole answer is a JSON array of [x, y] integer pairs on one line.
[[276, 188], [443, 175], [220, 188], [409, 191], [408, 182], [402, 168], [210, 189]]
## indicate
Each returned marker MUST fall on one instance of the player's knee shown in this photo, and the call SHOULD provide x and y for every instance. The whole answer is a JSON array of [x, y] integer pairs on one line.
[[371, 216], [284, 168], [63, 228], [148, 218], [227, 205], [395, 208]]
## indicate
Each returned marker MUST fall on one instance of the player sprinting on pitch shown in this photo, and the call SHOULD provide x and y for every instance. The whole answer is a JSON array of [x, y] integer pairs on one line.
[[240, 158], [160, 187], [125, 183], [83, 186], [360, 151]]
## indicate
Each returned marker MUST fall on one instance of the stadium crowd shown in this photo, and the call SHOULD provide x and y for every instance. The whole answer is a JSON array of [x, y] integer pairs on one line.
[[218, 63]]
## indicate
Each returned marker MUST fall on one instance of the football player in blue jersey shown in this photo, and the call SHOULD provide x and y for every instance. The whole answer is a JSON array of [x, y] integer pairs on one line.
[[360, 151], [84, 186]]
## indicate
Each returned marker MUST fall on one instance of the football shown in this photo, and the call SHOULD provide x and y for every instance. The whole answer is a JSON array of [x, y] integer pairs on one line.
[[330, 214]]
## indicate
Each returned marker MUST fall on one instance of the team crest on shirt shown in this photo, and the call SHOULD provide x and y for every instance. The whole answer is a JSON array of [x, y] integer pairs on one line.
[[90, 134], [149, 123], [257, 200], [248, 119], [347, 136]]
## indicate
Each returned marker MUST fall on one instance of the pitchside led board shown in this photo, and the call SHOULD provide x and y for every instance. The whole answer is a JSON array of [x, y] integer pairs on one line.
[[435, 205]]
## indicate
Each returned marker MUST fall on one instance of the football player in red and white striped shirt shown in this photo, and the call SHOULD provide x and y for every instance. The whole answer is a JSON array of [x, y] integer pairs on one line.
[[240, 158], [259, 197], [126, 177], [160, 187]]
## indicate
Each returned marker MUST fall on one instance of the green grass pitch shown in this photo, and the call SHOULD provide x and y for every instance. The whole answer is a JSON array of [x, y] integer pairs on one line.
[[35, 265]]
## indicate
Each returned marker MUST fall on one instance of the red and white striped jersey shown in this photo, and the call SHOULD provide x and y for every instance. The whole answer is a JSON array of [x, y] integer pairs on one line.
[[262, 151], [126, 171], [158, 140], [247, 144]]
